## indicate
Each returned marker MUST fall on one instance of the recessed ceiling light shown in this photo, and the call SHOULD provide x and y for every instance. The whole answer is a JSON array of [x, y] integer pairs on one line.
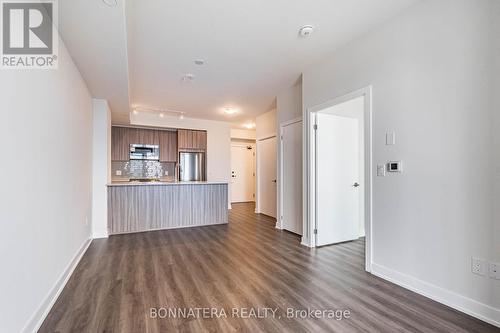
[[306, 31], [111, 3], [181, 116], [135, 112], [199, 62], [230, 111], [162, 115]]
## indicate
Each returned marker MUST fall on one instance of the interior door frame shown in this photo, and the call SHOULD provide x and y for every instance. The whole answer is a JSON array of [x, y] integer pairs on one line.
[[258, 173], [254, 164], [311, 190], [279, 220]]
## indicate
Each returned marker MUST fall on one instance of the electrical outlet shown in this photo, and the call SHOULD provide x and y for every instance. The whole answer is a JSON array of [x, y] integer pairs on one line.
[[478, 266], [118, 172], [166, 172], [494, 270]]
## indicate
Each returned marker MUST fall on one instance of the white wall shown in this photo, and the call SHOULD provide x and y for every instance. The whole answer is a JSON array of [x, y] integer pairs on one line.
[[46, 188], [288, 107], [289, 103], [265, 125], [101, 168], [241, 134], [431, 71], [495, 235], [218, 140]]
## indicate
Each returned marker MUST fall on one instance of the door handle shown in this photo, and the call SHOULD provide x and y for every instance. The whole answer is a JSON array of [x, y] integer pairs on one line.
[[355, 185], [274, 180]]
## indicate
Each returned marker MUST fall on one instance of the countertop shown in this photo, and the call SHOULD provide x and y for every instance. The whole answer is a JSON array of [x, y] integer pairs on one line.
[[165, 183]]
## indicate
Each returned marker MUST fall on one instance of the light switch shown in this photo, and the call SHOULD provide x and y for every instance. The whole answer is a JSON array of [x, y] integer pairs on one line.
[[166, 172], [390, 138], [118, 172], [381, 170]]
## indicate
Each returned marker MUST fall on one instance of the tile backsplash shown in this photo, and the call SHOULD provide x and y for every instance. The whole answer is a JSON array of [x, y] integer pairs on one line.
[[142, 169]]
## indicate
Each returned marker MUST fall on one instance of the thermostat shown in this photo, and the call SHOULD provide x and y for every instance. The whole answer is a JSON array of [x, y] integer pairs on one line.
[[395, 166]]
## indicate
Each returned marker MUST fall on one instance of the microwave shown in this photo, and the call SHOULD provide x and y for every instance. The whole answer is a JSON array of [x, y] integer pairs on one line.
[[144, 152]]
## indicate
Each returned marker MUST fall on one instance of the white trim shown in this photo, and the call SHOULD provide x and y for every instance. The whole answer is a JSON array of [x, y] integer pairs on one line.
[[290, 122], [267, 137], [100, 234], [310, 190], [243, 144], [257, 172], [279, 215], [305, 242], [39, 316], [459, 302], [252, 143]]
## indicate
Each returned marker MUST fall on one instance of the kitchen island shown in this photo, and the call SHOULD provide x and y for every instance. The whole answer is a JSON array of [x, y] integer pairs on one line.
[[138, 206]]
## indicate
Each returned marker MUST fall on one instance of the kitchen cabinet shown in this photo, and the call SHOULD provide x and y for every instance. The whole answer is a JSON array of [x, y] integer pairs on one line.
[[168, 146], [182, 138], [192, 140], [143, 136], [119, 144], [200, 140]]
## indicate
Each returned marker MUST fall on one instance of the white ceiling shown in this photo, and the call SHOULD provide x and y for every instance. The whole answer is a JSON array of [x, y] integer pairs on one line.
[[251, 49], [96, 39]]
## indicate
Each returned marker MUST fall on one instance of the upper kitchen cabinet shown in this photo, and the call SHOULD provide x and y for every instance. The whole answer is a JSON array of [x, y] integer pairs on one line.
[[200, 140], [143, 136], [192, 139], [119, 144], [168, 146]]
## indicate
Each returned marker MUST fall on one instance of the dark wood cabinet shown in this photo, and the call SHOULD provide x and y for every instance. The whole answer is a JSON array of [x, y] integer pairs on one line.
[[182, 138], [200, 140], [120, 150], [168, 146], [143, 136], [192, 140], [170, 141]]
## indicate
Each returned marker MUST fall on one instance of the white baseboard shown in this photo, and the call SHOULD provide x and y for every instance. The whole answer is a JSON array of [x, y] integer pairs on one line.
[[305, 242], [459, 302], [38, 317], [100, 234]]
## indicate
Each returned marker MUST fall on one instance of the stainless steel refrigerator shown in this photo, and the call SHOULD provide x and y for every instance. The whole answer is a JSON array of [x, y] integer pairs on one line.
[[192, 167]]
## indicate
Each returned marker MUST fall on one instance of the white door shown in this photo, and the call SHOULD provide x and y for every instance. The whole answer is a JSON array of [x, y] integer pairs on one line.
[[242, 173], [337, 167], [266, 150], [292, 177]]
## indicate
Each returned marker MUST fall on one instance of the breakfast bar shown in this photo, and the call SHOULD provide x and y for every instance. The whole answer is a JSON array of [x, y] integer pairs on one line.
[[138, 206]]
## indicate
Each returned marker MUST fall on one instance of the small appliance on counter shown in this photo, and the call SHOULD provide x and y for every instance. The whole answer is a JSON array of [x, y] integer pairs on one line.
[[192, 166]]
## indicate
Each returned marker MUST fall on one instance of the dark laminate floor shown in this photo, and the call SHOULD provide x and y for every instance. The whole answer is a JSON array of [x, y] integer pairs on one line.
[[247, 263]]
